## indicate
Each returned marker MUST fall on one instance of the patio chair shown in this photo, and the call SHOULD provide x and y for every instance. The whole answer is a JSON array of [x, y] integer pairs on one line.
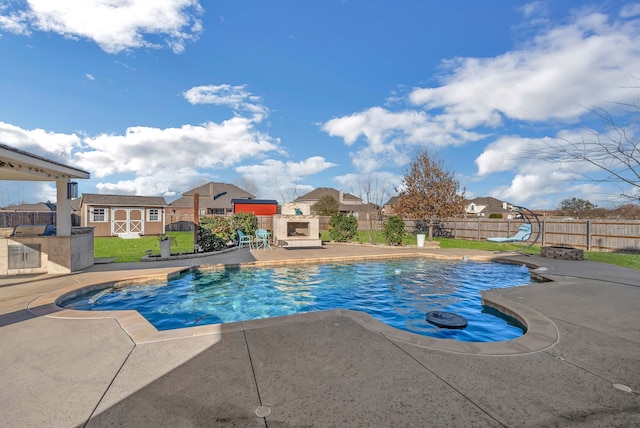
[[244, 239], [522, 235], [262, 238]]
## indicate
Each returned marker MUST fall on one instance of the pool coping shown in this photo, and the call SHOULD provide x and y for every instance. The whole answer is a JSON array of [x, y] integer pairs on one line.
[[541, 332]]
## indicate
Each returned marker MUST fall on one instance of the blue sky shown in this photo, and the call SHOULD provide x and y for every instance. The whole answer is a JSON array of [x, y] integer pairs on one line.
[[156, 98]]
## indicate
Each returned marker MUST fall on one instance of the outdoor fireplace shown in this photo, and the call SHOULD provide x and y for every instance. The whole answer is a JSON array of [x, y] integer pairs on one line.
[[296, 230]]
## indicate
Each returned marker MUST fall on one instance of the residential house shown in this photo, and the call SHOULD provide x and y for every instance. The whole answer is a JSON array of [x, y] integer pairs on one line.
[[213, 198], [486, 206], [390, 207], [123, 215], [347, 203]]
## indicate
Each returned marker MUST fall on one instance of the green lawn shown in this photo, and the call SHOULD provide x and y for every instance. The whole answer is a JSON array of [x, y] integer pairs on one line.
[[132, 250]]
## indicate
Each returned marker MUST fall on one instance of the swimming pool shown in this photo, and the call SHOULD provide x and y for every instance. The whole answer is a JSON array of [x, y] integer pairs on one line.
[[398, 292]]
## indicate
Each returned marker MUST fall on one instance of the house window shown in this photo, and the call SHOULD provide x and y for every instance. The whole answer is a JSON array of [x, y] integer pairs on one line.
[[99, 215], [153, 214]]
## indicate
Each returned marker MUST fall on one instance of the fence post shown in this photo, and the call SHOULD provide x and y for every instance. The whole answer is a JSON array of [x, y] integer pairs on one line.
[[588, 235], [478, 237]]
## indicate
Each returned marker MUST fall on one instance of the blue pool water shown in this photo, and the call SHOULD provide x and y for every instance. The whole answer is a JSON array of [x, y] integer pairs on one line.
[[398, 292]]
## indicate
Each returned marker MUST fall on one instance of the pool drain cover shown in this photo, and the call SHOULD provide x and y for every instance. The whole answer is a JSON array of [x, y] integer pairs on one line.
[[446, 319], [263, 411]]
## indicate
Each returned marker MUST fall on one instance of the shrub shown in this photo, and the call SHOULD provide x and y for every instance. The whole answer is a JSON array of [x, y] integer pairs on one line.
[[342, 227], [246, 222], [393, 230], [214, 233], [495, 215]]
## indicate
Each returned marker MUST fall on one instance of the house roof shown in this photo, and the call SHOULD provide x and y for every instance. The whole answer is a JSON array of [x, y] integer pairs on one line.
[[346, 201], [393, 200], [317, 194], [212, 195], [37, 207], [123, 200]]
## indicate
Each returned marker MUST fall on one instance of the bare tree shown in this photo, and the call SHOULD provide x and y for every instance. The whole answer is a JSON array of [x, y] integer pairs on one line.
[[614, 151], [430, 192], [247, 185], [373, 191]]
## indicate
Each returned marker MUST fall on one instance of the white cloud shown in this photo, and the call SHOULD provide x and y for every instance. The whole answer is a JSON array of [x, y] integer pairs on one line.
[[561, 74], [382, 128], [275, 177], [165, 182], [236, 97], [89, 76], [535, 8], [115, 25], [630, 10], [145, 151], [52, 145], [390, 136], [536, 179]]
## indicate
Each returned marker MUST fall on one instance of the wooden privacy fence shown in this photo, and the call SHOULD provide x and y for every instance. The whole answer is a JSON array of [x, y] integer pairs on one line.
[[13, 219], [596, 235]]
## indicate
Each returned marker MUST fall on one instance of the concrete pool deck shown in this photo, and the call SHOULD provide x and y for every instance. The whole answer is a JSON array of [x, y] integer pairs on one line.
[[331, 369]]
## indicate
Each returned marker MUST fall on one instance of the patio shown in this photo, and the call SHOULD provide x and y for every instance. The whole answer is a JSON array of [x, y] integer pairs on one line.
[[326, 369]]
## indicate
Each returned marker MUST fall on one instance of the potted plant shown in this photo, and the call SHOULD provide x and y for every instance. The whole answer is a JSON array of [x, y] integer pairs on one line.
[[166, 242]]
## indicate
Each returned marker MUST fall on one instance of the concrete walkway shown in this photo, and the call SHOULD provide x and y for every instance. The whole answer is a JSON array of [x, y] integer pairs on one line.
[[330, 369]]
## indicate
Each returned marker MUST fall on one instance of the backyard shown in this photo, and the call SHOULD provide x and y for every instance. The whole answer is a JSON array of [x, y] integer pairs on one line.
[[132, 250]]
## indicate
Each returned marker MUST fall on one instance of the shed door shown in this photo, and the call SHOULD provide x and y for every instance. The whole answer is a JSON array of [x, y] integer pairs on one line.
[[127, 220]]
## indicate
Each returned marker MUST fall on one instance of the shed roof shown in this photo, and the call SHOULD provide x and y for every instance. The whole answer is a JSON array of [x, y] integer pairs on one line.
[[123, 200], [254, 201]]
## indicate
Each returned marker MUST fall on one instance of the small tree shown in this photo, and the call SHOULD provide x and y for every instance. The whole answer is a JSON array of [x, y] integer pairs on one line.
[[326, 205], [342, 227], [430, 192], [373, 190]]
